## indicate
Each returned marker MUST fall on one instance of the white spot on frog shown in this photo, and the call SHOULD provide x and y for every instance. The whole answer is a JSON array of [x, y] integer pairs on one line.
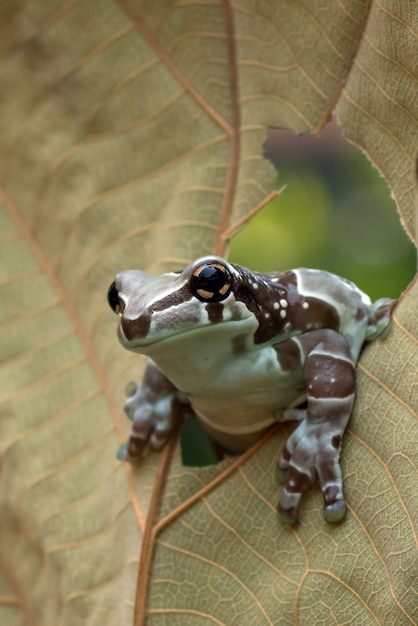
[[283, 313], [284, 303]]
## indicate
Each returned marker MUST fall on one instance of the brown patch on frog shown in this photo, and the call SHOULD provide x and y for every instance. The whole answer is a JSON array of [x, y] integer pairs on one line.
[[332, 493], [137, 328], [288, 356], [297, 481], [175, 298], [239, 344], [329, 376], [215, 312], [259, 293], [313, 313], [336, 441], [361, 313], [286, 278], [385, 309]]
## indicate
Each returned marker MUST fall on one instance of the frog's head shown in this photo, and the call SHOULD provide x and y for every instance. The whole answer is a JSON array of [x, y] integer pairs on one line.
[[156, 308]]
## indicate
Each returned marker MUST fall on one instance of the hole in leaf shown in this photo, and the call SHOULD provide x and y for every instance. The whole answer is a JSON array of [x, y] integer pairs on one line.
[[196, 447], [336, 213]]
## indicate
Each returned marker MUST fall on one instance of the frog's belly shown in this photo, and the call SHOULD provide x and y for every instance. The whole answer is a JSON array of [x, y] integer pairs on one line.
[[249, 396]]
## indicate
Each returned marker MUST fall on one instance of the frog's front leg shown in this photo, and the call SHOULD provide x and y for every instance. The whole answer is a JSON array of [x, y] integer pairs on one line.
[[312, 451], [153, 406]]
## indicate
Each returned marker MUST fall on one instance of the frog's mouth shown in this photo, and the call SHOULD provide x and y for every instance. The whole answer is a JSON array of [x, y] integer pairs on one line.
[[189, 338]]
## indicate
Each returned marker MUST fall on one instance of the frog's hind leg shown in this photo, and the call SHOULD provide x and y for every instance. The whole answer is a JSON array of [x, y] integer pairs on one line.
[[312, 451]]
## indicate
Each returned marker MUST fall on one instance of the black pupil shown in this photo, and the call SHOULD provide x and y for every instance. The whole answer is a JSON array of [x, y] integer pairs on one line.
[[212, 279], [113, 297], [212, 284]]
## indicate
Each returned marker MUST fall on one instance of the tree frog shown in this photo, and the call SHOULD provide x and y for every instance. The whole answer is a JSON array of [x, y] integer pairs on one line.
[[245, 350]]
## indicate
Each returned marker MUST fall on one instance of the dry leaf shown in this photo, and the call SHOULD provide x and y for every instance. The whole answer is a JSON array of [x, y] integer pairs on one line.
[[131, 136]]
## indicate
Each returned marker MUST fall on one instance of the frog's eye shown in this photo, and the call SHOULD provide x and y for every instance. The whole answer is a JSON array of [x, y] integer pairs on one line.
[[113, 299], [211, 282]]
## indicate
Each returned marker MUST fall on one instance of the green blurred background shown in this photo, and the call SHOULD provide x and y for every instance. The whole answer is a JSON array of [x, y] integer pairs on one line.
[[336, 213]]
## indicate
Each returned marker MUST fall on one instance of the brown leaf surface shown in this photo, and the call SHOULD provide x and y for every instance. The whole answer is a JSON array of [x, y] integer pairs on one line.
[[131, 135]]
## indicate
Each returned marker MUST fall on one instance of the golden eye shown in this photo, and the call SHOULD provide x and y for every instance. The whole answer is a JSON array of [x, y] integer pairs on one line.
[[211, 282]]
